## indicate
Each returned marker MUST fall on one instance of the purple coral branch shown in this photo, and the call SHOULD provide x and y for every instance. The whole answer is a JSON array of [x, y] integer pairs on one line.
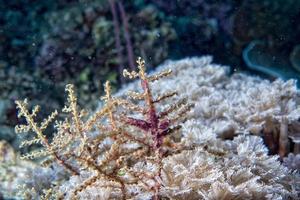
[[139, 123], [153, 124], [127, 36], [117, 37]]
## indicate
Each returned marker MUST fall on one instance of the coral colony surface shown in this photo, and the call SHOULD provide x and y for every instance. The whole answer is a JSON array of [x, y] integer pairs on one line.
[[187, 131]]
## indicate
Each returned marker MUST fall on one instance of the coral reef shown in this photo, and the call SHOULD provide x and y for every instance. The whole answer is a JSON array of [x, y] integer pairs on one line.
[[73, 149], [82, 43], [91, 28], [87, 42], [146, 147], [71, 41]]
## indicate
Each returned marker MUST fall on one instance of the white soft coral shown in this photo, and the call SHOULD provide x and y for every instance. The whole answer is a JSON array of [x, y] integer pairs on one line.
[[246, 172]]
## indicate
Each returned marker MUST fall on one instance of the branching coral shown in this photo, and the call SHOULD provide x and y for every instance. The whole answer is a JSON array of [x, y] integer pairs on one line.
[[155, 125], [75, 147], [53, 148], [69, 146]]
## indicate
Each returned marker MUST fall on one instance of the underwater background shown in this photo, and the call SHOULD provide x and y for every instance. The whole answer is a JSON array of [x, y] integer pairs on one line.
[[46, 44], [225, 124]]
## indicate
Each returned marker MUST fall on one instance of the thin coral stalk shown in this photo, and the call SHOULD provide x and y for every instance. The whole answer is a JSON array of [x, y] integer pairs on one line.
[[109, 101], [117, 37], [283, 138], [269, 139], [127, 35], [39, 132]]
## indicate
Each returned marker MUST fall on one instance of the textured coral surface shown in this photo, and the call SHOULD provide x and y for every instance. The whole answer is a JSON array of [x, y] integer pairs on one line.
[[219, 151]]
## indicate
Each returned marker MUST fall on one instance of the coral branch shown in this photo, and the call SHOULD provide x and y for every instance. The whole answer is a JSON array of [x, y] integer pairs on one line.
[[117, 36], [164, 96], [126, 35], [139, 123], [49, 149]]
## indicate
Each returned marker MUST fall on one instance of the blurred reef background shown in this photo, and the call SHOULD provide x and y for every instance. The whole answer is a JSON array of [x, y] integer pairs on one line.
[[47, 44]]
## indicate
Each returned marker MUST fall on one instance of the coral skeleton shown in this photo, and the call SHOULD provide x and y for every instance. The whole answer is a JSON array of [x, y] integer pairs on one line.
[[149, 141]]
